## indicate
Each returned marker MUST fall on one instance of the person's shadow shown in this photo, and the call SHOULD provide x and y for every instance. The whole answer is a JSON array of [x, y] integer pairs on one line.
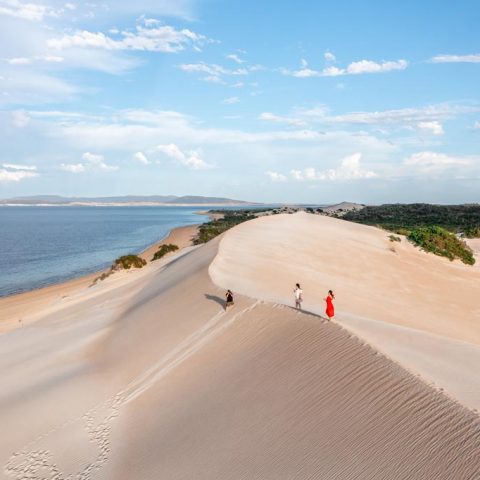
[[216, 299]]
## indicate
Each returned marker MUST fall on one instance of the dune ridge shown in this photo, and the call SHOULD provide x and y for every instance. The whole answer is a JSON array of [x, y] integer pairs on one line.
[[420, 310]]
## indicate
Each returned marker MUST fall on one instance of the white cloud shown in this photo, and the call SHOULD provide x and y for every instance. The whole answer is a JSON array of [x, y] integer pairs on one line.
[[73, 168], [235, 58], [476, 125], [190, 158], [216, 73], [332, 72], [30, 60], [20, 118], [433, 127], [354, 68], [98, 162], [231, 100], [14, 166], [367, 66], [163, 38], [424, 119], [276, 177], [26, 11], [141, 158], [93, 162], [349, 169], [473, 58], [435, 161], [410, 116], [297, 175], [211, 69], [329, 56], [137, 128], [15, 176], [270, 117], [19, 61], [15, 173], [304, 71]]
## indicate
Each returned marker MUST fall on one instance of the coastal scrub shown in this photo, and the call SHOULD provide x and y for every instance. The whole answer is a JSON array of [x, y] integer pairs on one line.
[[441, 242], [213, 228], [163, 250], [128, 261]]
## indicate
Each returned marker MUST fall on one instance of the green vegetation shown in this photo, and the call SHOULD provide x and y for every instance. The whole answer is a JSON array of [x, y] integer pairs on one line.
[[431, 227], [102, 277], [163, 250], [128, 261], [441, 242], [472, 232], [394, 238], [210, 230], [402, 218]]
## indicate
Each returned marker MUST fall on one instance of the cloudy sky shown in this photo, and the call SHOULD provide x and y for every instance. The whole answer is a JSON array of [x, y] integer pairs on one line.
[[270, 101]]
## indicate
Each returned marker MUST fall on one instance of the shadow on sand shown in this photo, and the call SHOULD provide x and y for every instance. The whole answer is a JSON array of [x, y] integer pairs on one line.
[[216, 299]]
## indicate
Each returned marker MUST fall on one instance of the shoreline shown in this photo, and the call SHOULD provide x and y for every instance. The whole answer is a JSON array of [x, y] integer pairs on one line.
[[15, 309]]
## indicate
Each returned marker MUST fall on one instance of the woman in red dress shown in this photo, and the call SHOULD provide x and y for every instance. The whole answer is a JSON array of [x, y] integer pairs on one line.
[[330, 311]]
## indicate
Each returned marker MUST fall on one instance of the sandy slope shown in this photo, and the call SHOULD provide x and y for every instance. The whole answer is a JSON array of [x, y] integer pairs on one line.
[[151, 379], [420, 309]]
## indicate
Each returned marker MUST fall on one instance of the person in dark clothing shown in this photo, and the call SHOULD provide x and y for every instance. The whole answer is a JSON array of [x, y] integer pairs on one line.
[[229, 297]]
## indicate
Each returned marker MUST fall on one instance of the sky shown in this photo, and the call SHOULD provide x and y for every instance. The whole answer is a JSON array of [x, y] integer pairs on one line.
[[291, 101]]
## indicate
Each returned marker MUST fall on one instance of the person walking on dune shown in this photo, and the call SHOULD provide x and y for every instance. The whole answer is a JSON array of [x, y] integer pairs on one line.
[[298, 292], [330, 310], [229, 297]]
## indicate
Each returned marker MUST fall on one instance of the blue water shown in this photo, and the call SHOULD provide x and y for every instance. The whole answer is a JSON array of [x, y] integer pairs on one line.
[[40, 246]]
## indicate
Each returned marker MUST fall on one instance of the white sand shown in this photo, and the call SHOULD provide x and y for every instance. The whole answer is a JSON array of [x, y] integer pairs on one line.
[[146, 377], [376, 290]]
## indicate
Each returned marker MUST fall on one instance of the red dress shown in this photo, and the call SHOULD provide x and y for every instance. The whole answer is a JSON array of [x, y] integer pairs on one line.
[[330, 311]]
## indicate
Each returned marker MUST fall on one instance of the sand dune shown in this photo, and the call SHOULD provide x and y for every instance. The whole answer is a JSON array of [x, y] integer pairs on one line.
[[372, 277], [149, 378], [419, 309]]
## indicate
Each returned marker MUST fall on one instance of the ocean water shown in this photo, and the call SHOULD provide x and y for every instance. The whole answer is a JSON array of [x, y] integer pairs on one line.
[[40, 246]]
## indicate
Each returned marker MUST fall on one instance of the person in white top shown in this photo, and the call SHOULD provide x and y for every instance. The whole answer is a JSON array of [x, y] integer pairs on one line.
[[298, 292]]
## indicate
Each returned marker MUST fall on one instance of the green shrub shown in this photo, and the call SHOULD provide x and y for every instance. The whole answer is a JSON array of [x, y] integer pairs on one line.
[[441, 242], [128, 261], [394, 238], [212, 229], [472, 232], [163, 250], [102, 277]]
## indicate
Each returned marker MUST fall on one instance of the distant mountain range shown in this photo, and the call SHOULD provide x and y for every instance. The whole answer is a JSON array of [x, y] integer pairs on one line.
[[122, 200]]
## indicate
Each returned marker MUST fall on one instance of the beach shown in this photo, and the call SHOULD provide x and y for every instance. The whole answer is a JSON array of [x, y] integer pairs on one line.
[[21, 309], [148, 377]]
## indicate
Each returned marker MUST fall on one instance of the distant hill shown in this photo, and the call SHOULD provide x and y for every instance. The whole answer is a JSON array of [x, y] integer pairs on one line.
[[342, 208], [122, 200]]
